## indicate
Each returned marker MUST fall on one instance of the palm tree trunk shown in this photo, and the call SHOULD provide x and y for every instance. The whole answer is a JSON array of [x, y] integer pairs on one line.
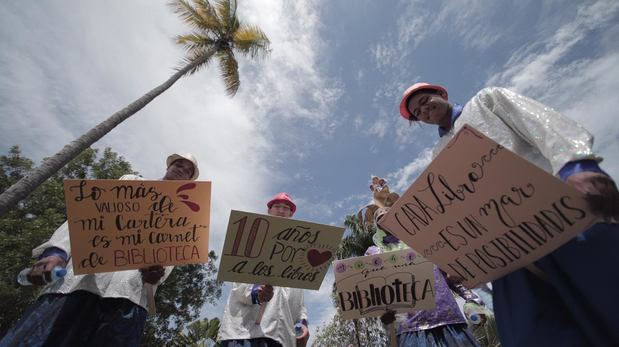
[[356, 321], [50, 166]]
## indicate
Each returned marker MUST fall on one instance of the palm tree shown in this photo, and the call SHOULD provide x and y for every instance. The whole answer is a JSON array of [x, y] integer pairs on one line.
[[217, 32], [201, 333], [354, 244], [357, 240]]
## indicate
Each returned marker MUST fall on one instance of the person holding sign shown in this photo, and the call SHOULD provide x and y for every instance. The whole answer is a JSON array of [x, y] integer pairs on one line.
[[568, 296], [282, 307], [443, 326], [103, 309]]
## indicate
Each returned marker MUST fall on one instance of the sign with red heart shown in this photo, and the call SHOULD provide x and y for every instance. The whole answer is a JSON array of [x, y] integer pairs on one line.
[[316, 258], [277, 251]]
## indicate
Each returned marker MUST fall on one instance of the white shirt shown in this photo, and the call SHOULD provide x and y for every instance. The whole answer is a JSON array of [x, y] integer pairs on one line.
[[280, 314], [527, 127], [120, 284]]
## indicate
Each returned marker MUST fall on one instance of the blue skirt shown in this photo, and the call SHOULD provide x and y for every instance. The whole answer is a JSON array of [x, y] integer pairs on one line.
[[575, 304], [257, 342], [442, 336], [78, 319]]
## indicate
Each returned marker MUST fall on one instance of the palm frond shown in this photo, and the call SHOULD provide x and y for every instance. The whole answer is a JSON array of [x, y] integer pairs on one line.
[[217, 32], [356, 240], [195, 41], [193, 17], [208, 14], [229, 70], [201, 57], [249, 39], [226, 11]]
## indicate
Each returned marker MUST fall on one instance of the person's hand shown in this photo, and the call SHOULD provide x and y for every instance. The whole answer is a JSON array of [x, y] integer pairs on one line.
[[302, 340], [482, 319], [152, 274], [265, 293], [388, 317], [475, 313], [41, 272], [600, 192]]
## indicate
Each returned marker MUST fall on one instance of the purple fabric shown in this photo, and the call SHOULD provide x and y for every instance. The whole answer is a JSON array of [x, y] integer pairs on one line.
[[390, 239], [446, 311], [372, 250], [456, 110], [465, 293], [579, 166], [254, 294], [55, 251], [455, 335]]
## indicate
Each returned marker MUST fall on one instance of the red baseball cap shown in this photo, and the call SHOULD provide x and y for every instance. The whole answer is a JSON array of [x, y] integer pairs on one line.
[[283, 197], [412, 90]]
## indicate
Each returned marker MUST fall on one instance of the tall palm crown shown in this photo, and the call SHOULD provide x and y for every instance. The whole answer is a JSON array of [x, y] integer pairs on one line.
[[217, 32], [217, 28]]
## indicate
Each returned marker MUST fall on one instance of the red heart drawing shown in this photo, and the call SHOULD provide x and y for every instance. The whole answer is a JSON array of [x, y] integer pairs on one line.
[[316, 258]]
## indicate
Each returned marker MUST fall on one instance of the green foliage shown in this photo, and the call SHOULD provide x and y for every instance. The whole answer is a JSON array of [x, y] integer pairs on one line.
[[358, 332], [34, 219], [356, 240], [179, 300], [200, 333], [217, 28]]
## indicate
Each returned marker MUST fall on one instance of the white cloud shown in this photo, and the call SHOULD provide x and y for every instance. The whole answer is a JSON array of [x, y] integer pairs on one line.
[[360, 75], [594, 105], [406, 175], [379, 127], [291, 79], [537, 67], [413, 25], [470, 20], [583, 89], [358, 122], [104, 55]]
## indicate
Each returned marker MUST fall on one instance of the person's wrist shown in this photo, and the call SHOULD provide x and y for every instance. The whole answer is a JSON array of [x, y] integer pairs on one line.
[[255, 299], [476, 301]]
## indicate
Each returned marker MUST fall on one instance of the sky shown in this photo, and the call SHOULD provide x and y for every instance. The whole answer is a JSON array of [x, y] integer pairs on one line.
[[315, 118]]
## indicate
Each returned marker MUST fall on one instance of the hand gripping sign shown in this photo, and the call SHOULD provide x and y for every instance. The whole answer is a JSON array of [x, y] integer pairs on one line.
[[479, 211]]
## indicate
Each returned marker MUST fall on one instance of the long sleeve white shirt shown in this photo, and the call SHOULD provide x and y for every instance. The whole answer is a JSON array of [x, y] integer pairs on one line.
[[529, 128], [120, 284], [280, 314]]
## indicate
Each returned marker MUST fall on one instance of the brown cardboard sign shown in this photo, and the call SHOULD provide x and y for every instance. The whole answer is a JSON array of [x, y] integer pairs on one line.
[[400, 281], [479, 211], [277, 251], [119, 225]]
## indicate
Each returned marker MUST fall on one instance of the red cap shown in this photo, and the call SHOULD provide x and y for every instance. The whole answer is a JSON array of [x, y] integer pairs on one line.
[[415, 88], [283, 197]]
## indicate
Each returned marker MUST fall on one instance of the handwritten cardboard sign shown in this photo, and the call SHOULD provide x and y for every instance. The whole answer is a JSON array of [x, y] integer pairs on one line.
[[277, 251], [479, 211], [368, 286], [119, 225]]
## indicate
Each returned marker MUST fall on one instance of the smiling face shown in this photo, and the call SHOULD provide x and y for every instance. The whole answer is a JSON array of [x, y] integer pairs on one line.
[[431, 108], [280, 209], [181, 169]]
